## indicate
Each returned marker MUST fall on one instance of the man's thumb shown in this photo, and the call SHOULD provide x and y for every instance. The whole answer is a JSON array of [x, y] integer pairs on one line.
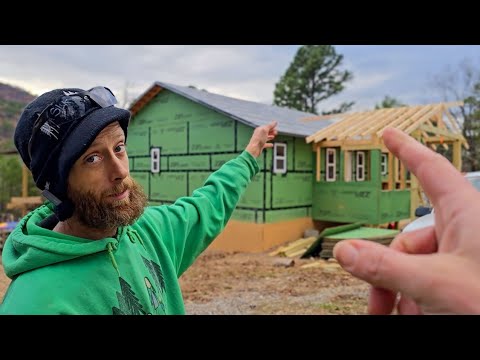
[[384, 267]]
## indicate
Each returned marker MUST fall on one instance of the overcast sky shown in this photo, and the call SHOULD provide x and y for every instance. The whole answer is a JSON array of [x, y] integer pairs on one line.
[[242, 71]]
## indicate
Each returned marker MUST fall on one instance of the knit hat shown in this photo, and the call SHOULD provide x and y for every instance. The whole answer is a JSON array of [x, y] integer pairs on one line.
[[55, 129]]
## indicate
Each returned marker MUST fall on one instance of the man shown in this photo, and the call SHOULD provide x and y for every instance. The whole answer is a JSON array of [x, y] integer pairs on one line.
[[93, 247]]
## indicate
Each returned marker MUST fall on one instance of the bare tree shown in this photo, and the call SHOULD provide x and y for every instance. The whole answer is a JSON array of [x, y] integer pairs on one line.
[[127, 96], [462, 83]]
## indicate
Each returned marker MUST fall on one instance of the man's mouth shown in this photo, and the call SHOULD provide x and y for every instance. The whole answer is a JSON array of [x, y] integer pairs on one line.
[[120, 196]]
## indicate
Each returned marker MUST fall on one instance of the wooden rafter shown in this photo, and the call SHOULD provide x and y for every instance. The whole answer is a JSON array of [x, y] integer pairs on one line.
[[145, 99], [364, 128]]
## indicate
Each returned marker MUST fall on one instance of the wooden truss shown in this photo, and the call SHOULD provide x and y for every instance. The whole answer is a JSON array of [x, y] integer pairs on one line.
[[432, 124]]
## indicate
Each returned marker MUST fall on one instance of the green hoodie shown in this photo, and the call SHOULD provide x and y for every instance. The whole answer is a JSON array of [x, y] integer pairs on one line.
[[136, 272]]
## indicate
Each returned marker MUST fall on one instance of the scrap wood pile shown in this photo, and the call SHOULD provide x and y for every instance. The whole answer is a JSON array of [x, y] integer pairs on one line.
[[294, 249], [322, 244], [287, 254], [329, 242]]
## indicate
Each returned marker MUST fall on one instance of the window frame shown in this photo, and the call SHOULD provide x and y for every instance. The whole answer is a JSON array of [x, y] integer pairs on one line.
[[283, 158], [360, 168], [330, 165], [153, 160]]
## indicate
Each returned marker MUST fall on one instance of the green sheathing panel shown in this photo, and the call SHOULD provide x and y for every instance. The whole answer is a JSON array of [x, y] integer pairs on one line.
[[168, 186], [394, 205], [364, 233], [285, 215], [138, 141], [192, 162], [194, 141], [303, 155], [294, 189], [244, 133], [253, 196], [143, 179], [196, 180], [142, 163], [211, 133], [289, 196], [353, 201], [315, 248], [345, 202], [246, 215]]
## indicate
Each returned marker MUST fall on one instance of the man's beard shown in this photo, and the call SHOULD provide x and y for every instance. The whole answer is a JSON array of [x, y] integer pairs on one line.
[[93, 211]]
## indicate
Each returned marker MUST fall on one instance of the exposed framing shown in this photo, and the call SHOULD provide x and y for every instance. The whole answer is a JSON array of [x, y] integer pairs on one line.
[[432, 124]]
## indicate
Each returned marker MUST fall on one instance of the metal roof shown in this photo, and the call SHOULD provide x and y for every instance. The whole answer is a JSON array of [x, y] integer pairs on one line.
[[290, 122]]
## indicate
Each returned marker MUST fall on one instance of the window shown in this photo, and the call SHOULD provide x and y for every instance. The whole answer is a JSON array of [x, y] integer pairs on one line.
[[384, 164], [155, 160], [331, 165], [279, 158], [360, 166]]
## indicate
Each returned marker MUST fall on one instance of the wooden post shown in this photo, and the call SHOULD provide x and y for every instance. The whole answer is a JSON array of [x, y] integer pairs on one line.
[[402, 175], [457, 155], [318, 163], [391, 167], [415, 199]]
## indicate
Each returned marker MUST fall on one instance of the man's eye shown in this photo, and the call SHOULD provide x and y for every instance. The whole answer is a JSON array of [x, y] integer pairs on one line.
[[93, 159], [120, 148]]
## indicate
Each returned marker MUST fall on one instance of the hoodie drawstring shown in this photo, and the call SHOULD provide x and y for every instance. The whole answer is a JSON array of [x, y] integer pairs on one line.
[[110, 248], [134, 235]]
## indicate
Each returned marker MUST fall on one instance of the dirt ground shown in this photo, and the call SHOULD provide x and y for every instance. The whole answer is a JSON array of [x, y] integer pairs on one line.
[[241, 283]]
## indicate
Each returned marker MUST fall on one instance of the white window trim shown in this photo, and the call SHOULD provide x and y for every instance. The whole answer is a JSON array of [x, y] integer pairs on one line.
[[155, 160], [360, 175], [276, 157], [331, 165], [384, 164]]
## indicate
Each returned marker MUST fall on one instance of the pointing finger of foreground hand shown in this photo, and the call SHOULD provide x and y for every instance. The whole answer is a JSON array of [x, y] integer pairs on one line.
[[425, 164], [421, 241], [384, 267]]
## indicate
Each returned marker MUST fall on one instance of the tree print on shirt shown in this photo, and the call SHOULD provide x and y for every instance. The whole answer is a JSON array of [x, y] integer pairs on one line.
[[128, 302]]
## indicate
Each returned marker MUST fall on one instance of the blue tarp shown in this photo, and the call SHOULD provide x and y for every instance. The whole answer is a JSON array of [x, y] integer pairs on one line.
[[8, 226]]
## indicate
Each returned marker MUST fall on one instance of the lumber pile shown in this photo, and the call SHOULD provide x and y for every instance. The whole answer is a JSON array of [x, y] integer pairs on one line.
[[329, 243], [294, 249]]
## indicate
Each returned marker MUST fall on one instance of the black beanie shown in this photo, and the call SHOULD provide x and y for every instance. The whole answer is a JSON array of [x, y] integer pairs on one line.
[[62, 140]]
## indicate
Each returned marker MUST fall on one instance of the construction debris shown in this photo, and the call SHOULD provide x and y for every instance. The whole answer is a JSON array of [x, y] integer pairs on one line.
[[322, 245], [284, 262], [294, 249]]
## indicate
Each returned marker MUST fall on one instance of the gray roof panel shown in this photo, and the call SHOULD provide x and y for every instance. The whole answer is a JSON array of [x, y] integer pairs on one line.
[[252, 113]]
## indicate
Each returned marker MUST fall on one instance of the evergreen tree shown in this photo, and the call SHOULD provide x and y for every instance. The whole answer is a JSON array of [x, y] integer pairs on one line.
[[312, 77]]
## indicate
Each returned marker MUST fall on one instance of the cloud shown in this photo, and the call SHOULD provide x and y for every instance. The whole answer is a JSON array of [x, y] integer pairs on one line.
[[243, 71]]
